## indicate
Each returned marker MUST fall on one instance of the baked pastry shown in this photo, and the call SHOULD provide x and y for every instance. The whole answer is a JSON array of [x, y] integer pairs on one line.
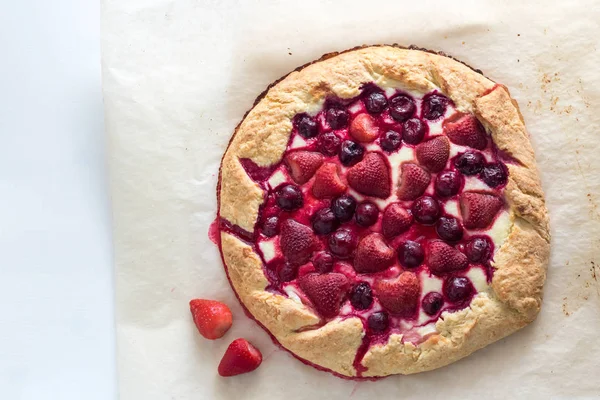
[[380, 212]]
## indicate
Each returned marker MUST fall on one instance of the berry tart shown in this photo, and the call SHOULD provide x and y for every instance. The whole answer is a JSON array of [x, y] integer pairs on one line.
[[380, 212]]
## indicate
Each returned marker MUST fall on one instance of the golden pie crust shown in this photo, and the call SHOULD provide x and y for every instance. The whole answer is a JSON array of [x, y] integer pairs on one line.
[[515, 294]]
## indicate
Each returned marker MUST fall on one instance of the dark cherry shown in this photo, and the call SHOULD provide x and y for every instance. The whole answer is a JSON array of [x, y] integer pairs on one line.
[[447, 183], [432, 303], [426, 210], [289, 197], [270, 226], [477, 249], [307, 127], [324, 221], [391, 140], [343, 207], [494, 175], [288, 272], [402, 108], [410, 254], [366, 214], [323, 261], [351, 153], [329, 143], [449, 229], [361, 296], [469, 162], [434, 106], [376, 102], [337, 118], [342, 242], [414, 131], [458, 288], [378, 322]]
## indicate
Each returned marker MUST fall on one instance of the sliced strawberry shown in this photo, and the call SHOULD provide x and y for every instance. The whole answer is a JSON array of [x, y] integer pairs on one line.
[[466, 131], [297, 242], [327, 182], [325, 291], [240, 357], [396, 219], [363, 128], [443, 258], [479, 209], [401, 295], [371, 176], [413, 181], [303, 165], [212, 318], [373, 254], [433, 154]]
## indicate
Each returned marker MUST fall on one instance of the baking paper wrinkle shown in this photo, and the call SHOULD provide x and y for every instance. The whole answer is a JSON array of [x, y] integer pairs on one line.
[[178, 77]]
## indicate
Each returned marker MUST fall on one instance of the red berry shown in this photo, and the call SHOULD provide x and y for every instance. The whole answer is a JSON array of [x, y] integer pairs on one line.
[[303, 165], [479, 209], [396, 219], [466, 131], [413, 181], [373, 254], [433, 154], [371, 176], [364, 128], [400, 296], [325, 291], [240, 357], [212, 318]]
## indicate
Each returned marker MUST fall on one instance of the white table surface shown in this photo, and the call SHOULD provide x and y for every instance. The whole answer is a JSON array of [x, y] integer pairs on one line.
[[56, 302]]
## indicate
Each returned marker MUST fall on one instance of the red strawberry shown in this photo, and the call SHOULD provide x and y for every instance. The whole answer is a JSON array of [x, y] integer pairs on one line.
[[466, 131], [297, 242], [479, 209], [373, 254], [401, 295], [433, 154], [240, 357], [212, 318], [303, 165], [371, 176], [325, 291], [363, 128], [443, 258], [327, 182], [413, 181], [396, 219]]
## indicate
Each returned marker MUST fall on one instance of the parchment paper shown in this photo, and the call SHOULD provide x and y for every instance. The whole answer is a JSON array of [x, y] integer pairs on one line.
[[178, 77]]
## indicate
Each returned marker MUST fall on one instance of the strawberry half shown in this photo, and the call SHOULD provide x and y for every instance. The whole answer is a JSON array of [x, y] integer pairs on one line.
[[303, 165], [297, 242], [327, 182], [373, 254], [363, 128], [371, 176], [325, 291], [240, 357], [479, 209], [466, 131], [401, 295], [443, 258], [212, 318], [396, 219], [433, 154], [413, 181]]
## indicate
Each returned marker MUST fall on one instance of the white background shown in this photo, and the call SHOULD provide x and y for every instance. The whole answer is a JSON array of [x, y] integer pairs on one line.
[[56, 279]]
